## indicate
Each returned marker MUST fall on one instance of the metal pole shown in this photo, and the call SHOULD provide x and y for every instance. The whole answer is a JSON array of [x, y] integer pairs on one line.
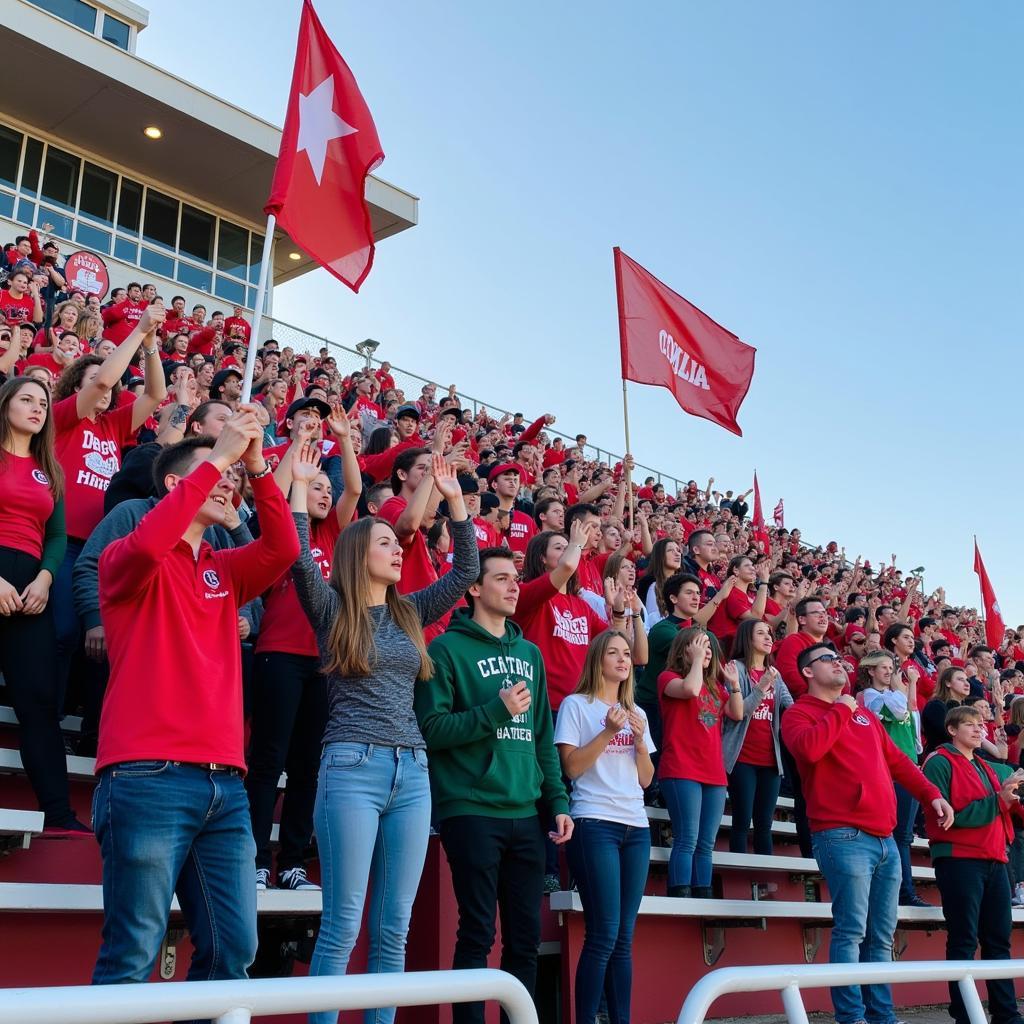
[[972, 1001], [239, 1015], [257, 316], [627, 481], [793, 1003]]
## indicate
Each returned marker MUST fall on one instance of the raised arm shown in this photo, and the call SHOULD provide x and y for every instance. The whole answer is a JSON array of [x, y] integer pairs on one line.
[[345, 508], [113, 367]]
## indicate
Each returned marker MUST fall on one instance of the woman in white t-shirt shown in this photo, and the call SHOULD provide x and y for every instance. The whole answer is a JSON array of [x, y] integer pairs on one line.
[[605, 746]]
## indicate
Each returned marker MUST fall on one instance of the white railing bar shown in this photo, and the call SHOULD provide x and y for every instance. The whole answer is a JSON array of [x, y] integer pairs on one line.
[[235, 1002], [790, 978]]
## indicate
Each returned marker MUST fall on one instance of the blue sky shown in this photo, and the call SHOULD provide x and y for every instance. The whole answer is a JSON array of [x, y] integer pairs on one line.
[[837, 184]]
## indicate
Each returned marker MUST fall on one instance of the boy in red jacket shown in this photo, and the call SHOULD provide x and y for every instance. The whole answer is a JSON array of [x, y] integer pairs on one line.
[[171, 814], [847, 765], [970, 858]]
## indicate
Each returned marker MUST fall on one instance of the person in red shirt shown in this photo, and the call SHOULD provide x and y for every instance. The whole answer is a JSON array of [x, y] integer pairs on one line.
[[93, 426], [504, 480], [589, 573], [384, 377], [848, 764], [19, 301], [415, 500], [753, 755], [237, 326], [289, 690], [121, 318], [32, 543], [66, 350], [171, 810], [746, 600], [177, 321], [691, 769]]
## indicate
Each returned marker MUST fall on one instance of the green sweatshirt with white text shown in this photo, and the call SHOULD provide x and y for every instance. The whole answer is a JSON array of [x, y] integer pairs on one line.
[[482, 759]]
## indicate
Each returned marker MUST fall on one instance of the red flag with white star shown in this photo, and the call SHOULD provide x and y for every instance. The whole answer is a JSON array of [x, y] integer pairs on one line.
[[995, 630], [328, 147]]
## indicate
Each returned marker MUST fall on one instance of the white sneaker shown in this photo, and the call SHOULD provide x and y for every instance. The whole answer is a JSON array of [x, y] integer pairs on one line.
[[295, 878], [262, 879]]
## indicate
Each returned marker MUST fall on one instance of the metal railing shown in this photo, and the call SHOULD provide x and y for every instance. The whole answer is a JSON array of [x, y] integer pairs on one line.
[[411, 383], [790, 980], [236, 1002]]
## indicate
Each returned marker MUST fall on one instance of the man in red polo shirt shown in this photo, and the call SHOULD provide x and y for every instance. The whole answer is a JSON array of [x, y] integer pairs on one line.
[[171, 812]]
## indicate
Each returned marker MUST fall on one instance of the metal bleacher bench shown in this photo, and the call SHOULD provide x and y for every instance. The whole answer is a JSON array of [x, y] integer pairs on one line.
[[70, 723], [718, 915], [18, 827]]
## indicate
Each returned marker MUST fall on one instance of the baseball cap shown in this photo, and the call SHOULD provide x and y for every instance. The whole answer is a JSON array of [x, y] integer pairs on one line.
[[407, 410], [308, 403], [222, 375], [488, 501], [503, 467]]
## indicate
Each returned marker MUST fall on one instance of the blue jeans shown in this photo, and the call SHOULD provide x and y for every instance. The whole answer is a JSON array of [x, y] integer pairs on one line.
[[863, 876], [609, 862], [372, 820], [695, 810], [165, 828]]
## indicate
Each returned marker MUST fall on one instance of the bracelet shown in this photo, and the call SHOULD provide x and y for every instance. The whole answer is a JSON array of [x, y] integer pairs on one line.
[[735, 691], [150, 351], [265, 471]]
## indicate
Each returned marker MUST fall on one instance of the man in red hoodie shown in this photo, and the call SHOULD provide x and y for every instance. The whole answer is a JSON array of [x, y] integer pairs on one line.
[[171, 814], [121, 318], [847, 765]]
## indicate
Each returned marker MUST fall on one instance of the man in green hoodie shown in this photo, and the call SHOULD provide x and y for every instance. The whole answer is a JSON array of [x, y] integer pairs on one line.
[[487, 723]]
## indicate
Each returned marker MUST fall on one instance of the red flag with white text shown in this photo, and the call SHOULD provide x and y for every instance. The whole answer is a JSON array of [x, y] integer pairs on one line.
[[995, 630], [667, 341], [779, 515], [329, 145]]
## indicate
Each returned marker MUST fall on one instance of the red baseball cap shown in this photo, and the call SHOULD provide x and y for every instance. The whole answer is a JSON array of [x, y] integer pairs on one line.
[[504, 467]]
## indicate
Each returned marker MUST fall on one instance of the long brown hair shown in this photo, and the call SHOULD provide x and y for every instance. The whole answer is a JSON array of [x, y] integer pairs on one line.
[[591, 684], [658, 572], [743, 643], [534, 561], [40, 447], [678, 660], [942, 687], [351, 645], [71, 380]]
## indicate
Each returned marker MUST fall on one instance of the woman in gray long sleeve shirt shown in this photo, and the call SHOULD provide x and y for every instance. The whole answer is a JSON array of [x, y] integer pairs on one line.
[[372, 813]]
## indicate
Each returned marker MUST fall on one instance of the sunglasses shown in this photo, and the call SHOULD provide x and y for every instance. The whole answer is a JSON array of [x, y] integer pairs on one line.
[[827, 658]]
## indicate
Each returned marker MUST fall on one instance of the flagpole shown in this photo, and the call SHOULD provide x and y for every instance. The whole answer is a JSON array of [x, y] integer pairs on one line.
[[261, 292], [627, 478]]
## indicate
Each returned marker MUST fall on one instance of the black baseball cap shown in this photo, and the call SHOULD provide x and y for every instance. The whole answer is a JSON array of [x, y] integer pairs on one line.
[[222, 375], [308, 403], [407, 410]]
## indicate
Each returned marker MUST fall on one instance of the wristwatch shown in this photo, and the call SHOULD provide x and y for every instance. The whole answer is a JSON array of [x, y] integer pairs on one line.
[[265, 471]]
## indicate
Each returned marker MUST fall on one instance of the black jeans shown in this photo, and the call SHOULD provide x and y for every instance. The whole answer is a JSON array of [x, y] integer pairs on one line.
[[496, 863], [792, 776], [976, 905], [753, 794], [289, 715], [28, 661]]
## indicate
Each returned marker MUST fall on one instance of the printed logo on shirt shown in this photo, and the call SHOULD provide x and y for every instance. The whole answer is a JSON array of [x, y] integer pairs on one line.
[[211, 579], [763, 712], [40, 477], [860, 719], [575, 631], [517, 728], [621, 740]]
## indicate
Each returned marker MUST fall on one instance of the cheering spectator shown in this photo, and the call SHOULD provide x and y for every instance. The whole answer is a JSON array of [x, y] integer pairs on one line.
[[171, 811], [701, 553], [289, 691], [847, 764], [32, 526], [691, 769], [372, 810], [750, 744], [952, 690], [605, 744], [665, 561], [487, 724], [746, 599], [891, 695], [503, 480], [19, 301]]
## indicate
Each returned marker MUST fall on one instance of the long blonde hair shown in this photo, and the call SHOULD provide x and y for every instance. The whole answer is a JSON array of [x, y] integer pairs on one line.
[[591, 684], [351, 644]]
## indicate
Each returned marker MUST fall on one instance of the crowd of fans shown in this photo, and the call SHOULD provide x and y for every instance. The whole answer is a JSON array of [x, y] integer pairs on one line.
[[432, 617]]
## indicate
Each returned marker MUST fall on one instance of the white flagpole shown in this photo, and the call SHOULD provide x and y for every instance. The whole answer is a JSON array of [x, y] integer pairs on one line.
[[257, 317]]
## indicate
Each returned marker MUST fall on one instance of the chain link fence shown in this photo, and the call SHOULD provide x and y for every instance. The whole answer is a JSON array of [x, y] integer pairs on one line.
[[348, 359]]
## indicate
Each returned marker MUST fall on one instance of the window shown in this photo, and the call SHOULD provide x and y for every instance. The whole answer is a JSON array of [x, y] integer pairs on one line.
[[157, 262], [125, 250], [232, 249], [6, 204], [93, 238], [194, 277], [115, 31], [129, 210], [230, 290], [75, 11], [33, 165], [99, 189], [61, 224], [255, 255], [10, 156], [60, 179], [196, 234], [161, 224]]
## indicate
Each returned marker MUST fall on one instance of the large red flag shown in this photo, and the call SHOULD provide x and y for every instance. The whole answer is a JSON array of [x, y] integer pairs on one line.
[[328, 147], [995, 630], [667, 341]]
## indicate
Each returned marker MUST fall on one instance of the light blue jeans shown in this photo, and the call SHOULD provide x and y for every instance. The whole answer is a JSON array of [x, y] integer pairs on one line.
[[863, 875], [372, 821]]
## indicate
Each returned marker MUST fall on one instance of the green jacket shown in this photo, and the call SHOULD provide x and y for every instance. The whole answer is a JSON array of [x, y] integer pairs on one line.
[[482, 760]]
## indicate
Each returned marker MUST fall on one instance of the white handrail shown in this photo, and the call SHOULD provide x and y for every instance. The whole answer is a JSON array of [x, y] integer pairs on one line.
[[236, 1002], [790, 979]]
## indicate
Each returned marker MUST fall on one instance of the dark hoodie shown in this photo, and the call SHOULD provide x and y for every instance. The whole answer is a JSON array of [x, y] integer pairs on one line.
[[482, 760]]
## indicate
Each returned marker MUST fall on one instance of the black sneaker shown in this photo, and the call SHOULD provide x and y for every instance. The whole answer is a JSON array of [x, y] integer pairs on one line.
[[295, 878]]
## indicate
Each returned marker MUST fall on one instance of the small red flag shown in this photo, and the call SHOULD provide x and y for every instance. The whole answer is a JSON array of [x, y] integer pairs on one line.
[[995, 630], [779, 515], [666, 341], [328, 147], [759, 533]]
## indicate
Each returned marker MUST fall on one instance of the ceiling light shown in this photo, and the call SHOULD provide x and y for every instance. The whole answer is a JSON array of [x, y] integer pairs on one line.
[[295, 255], [151, 131]]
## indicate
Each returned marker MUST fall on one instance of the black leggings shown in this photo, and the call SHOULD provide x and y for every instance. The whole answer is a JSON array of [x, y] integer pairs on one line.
[[28, 660], [289, 715]]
